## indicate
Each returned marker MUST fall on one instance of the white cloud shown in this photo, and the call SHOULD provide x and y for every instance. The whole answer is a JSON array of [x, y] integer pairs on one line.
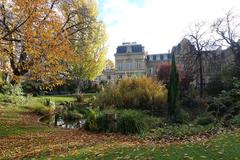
[[158, 24]]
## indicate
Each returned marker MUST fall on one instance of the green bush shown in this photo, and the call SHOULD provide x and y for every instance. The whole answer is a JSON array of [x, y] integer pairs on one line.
[[153, 122], [71, 111], [12, 94], [182, 116], [123, 121], [106, 122], [204, 120], [13, 90], [227, 104], [130, 122], [215, 86], [134, 93], [91, 119], [235, 120], [48, 102]]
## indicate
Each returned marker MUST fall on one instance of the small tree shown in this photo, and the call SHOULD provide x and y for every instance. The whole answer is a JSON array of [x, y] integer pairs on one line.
[[173, 90]]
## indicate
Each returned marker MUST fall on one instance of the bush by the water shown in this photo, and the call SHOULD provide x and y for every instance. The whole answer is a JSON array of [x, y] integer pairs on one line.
[[134, 93], [130, 122], [122, 121]]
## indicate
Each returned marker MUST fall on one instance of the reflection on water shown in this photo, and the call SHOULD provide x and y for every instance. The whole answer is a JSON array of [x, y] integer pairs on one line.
[[60, 122]]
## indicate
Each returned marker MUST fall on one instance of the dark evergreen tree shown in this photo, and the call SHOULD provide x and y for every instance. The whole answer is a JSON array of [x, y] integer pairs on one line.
[[173, 90]]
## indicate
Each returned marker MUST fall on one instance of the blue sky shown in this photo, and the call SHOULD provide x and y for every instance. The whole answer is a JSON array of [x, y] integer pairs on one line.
[[157, 24]]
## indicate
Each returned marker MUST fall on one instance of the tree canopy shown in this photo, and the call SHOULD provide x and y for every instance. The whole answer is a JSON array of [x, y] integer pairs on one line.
[[42, 39]]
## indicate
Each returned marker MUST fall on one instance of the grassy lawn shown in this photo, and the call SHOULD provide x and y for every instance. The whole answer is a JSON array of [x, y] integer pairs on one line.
[[224, 147], [23, 137]]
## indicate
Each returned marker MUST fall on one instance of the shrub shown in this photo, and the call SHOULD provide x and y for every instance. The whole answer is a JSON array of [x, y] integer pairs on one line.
[[71, 115], [13, 90], [48, 102], [42, 110], [139, 93], [153, 122], [12, 94], [123, 121], [79, 98], [91, 119], [71, 111], [130, 122], [227, 104], [204, 120], [235, 120], [181, 116], [106, 122], [215, 86]]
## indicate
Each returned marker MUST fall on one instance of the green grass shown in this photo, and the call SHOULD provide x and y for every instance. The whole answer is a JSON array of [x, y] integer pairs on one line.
[[21, 129], [225, 147]]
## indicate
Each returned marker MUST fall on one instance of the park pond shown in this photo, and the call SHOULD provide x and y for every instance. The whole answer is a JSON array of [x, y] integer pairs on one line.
[[58, 121]]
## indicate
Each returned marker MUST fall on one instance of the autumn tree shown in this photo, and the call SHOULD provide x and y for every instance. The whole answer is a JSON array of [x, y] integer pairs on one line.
[[228, 31], [163, 72], [34, 40], [90, 43], [185, 77]]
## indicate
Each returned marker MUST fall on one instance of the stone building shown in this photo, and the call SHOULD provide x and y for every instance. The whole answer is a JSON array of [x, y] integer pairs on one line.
[[131, 60], [214, 61]]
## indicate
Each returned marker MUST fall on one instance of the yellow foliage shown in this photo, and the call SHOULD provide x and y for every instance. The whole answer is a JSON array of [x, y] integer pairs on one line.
[[139, 93], [35, 34]]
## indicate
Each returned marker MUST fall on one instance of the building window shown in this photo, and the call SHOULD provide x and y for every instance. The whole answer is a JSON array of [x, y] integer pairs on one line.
[[120, 66], [165, 57], [150, 57], [161, 57], [129, 66], [108, 77], [151, 71], [139, 66], [158, 57], [169, 57], [154, 57]]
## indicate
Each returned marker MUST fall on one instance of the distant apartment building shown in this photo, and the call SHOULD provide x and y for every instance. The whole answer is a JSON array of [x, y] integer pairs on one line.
[[131, 60]]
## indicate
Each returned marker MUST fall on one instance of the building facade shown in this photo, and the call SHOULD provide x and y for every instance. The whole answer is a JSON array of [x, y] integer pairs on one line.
[[131, 59]]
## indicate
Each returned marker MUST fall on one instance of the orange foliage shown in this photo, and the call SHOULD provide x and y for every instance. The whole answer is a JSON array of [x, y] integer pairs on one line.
[[34, 40]]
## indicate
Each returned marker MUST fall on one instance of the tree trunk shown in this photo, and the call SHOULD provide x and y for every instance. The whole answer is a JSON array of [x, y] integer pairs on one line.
[[79, 88]]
